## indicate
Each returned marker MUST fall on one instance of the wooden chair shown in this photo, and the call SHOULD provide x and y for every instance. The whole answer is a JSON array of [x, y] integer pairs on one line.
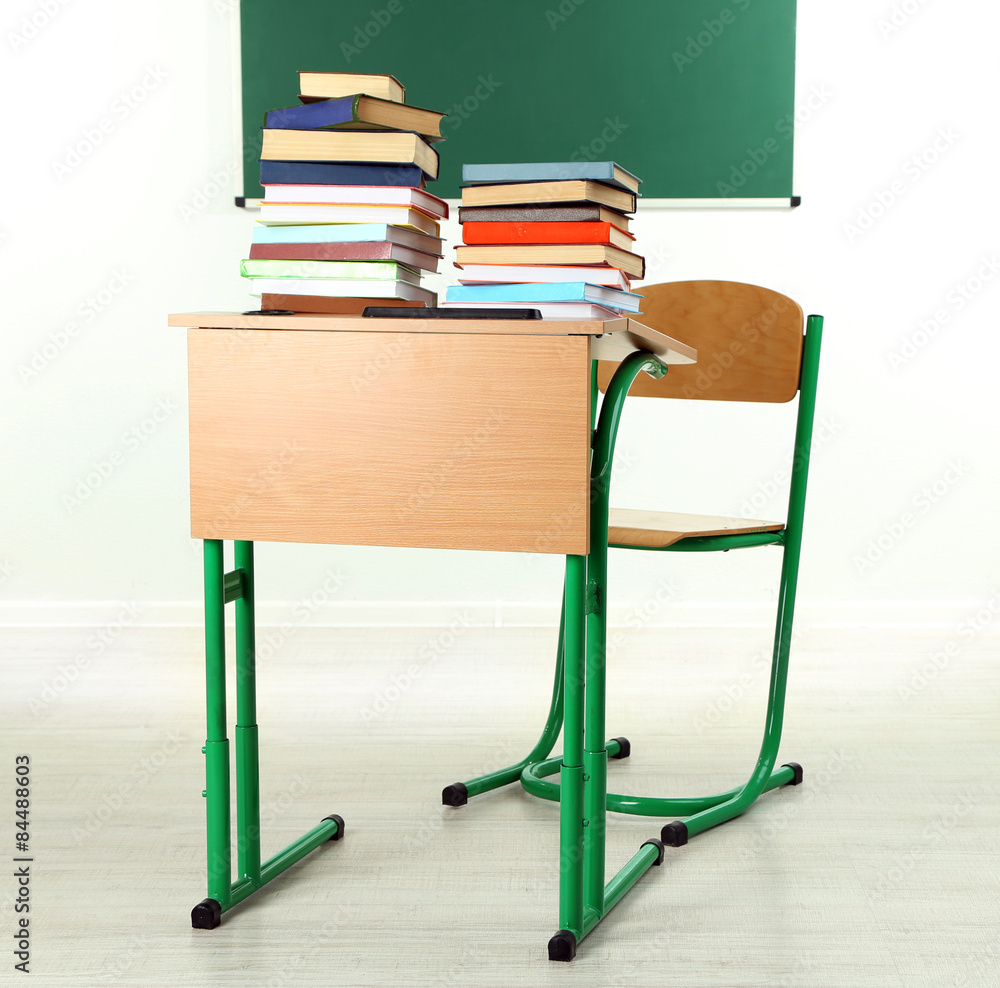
[[751, 348]]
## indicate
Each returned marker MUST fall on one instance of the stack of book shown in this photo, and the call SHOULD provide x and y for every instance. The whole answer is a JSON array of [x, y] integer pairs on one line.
[[552, 236], [345, 221]]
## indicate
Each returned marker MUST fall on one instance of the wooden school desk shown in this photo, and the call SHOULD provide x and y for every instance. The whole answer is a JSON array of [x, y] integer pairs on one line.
[[451, 434]]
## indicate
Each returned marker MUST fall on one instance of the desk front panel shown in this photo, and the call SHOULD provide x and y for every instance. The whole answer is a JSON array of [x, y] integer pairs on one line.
[[399, 439]]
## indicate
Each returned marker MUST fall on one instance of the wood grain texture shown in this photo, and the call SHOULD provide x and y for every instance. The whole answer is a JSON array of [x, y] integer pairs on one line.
[[624, 336], [619, 337], [394, 439], [749, 341], [657, 529]]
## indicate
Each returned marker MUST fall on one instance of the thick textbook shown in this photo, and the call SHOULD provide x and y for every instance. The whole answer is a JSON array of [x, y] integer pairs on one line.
[[546, 233], [632, 264], [582, 213], [341, 270], [527, 193], [352, 251], [357, 112], [372, 195], [396, 147], [330, 85], [551, 171], [337, 173], [329, 233], [342, 288], [578, 291], [320, 212]]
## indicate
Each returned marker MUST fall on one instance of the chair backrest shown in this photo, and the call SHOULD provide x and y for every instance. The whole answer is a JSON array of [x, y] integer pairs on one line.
[[749, 342]]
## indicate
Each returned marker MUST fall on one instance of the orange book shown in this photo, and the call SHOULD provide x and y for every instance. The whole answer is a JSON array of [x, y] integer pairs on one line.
[[546, 233]]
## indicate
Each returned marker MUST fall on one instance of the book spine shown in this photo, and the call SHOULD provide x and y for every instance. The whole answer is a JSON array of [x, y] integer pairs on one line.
[[538, 233], [299, 268], [310, 116], [331, 305], [600, 171], [548, 292], [543, 214], [337, 173]]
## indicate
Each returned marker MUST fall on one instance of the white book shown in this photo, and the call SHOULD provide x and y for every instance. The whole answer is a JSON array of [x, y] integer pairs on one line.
[[488, 274], [370, 195], [342, 288], [324, 212]]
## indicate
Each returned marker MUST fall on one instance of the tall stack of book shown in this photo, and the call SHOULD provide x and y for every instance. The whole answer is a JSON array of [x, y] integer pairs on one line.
[[552, 236], [346, 221]]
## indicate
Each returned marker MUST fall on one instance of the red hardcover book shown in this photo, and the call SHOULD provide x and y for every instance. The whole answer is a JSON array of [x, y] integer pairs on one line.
[[354, 250], [546, 233]]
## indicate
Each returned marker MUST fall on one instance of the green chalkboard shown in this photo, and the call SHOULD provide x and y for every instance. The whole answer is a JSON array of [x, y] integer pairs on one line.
[[696, 97]]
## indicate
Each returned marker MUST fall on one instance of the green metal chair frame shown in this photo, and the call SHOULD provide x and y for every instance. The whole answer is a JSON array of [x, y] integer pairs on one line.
[[578, 695]]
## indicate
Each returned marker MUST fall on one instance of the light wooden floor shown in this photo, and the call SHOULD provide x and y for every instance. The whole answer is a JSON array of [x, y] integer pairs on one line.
[[881, 870]]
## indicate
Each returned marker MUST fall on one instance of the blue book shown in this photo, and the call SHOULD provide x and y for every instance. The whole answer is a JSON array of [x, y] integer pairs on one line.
[[359, 112], [559, 291], [550, 171], [337, 173]]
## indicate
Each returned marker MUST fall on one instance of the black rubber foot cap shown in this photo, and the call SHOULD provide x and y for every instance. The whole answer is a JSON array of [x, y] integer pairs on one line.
[[658, 844], [626, 748], [562, 947], [339, 821], [796, 772], [207, 915], [455, 795], [675, 834]]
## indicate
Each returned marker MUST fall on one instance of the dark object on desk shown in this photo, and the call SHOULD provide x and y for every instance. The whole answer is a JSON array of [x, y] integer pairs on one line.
[[269, 312], [381, 312]]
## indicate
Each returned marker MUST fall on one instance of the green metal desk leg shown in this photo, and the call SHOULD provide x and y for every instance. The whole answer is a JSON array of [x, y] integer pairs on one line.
[[247, 757], [584, 897], [223, 893], [208, 913], [571, 809]]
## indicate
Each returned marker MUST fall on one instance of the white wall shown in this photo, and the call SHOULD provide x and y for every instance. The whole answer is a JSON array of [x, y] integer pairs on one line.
[[97, 251]]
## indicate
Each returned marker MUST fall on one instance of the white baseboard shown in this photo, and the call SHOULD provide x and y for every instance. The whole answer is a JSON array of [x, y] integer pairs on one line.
[[494, 614]]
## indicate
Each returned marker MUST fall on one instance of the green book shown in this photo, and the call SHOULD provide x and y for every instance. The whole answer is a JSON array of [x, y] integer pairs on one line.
[[349, 270]]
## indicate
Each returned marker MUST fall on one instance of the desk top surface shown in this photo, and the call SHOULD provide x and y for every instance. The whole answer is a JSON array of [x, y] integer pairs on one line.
[[613, 339]]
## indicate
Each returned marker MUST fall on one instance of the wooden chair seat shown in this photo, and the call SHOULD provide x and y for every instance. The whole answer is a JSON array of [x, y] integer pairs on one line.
[[658, 529]]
